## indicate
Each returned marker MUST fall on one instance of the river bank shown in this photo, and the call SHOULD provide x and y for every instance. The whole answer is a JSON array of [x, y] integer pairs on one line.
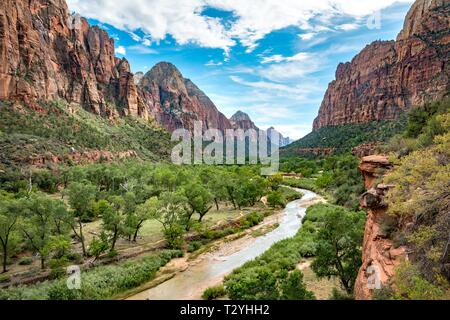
[[186, 279]]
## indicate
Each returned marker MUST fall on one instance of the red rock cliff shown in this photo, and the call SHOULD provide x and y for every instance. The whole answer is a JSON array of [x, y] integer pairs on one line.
[[380, 256], [45, 54], [388, 77], [177, 102]]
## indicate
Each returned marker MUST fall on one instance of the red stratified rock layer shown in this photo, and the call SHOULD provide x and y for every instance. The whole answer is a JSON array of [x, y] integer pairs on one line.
[[388, 77]]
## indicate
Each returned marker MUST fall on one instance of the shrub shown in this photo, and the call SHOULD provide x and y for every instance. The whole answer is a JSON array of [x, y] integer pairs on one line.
[[276, 199], [214, 293], [25, 261], [194, 246]]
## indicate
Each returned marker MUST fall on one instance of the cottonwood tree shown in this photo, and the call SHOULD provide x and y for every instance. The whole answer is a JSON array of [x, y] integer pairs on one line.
[[81, 197], [114, 220], [199, 199], [141, 214], [38, 227], [10, 209], [171, 213], [339, 241]]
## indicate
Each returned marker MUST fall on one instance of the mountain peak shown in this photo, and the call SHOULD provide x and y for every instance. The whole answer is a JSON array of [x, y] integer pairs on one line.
[[241, 120], [164, 70], [240, 116]]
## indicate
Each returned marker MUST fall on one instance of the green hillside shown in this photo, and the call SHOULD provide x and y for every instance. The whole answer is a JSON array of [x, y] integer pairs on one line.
[[345, 137], [57, 130]]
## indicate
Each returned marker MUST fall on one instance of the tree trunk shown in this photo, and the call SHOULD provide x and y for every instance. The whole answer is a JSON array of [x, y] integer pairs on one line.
[[42, 262], [83, 247], [217, 204], [137, 231], [5, 257], [113, 245]]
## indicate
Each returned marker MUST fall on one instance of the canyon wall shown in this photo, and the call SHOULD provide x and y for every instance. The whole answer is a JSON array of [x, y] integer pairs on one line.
[[380, 255], [47, 54], [388, 77]]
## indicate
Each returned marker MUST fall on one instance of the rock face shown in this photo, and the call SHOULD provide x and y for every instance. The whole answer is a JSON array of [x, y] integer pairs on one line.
[[380, 256], [45, 55], [176, 102], [241, 120], [388, 77]]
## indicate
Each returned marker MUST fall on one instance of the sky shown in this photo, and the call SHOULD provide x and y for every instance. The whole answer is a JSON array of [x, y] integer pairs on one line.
[[272, 59]]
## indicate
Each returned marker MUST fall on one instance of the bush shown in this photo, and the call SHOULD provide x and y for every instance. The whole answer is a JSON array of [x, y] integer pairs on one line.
[[276, 199], [339, 295], [25, 261], [214, 293], [194, 246]]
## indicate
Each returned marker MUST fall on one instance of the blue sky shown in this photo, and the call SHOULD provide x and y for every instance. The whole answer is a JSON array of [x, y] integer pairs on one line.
[[271, 59]]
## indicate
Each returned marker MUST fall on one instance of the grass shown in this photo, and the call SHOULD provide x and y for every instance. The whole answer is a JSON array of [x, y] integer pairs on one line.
[[101, 283], [322, 288]]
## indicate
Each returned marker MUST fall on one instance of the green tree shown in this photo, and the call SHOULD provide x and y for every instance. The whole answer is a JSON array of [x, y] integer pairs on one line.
[[81, 198], [143, 212], [293, 287], [10, 209], [171, 213], [276, 199], [114, 220], [38, 227], [339, 242], [199, 199], [98, 245]]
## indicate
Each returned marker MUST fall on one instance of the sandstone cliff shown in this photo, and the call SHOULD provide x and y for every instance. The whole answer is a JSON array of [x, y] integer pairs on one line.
[[176, 102], [380, 256], [45, 54], [388, 77]]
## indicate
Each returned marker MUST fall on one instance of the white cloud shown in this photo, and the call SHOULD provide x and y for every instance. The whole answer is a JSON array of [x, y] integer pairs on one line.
[[270, 86], [141, 49], [291, 68], [211, 63], [121, 50], [307, 36], [348, 26], [253, 20]]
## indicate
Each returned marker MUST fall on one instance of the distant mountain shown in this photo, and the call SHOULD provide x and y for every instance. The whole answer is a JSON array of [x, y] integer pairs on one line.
[[283, 141], [176, 102], [241, 120]]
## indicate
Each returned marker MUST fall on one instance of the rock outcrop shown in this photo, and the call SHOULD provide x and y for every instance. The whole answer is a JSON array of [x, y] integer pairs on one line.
[[176, 102], [380, 256], [388, 77]]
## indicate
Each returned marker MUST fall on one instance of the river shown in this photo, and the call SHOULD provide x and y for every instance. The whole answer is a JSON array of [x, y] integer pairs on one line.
[[210, 269]]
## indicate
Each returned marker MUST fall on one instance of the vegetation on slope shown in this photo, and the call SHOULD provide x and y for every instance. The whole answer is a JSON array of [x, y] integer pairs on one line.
[[419, 204], [54, 129], [344, 138]]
